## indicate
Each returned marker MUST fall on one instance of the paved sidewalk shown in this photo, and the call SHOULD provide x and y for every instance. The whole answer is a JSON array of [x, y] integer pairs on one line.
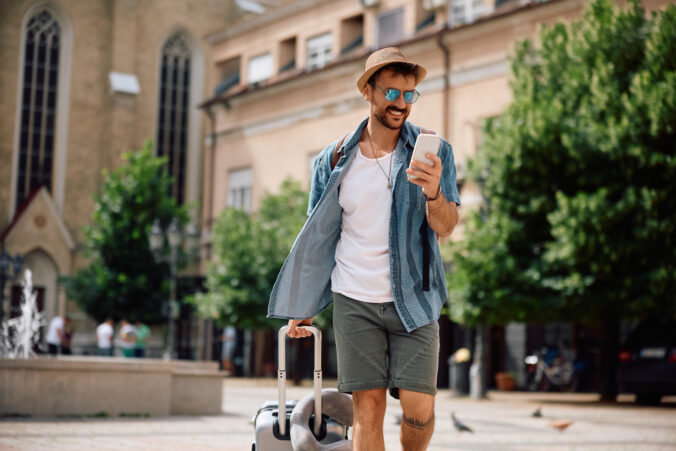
[[502, 422]]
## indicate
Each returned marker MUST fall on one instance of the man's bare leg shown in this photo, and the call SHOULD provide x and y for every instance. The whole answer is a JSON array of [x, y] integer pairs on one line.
[[369, 414], [417, 423]]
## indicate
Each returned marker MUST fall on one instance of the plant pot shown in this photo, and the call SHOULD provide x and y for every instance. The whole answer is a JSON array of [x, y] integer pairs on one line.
[[505, 381]]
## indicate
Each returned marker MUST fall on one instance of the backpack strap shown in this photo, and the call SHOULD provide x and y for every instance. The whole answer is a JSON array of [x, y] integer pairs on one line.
[[336, 151]]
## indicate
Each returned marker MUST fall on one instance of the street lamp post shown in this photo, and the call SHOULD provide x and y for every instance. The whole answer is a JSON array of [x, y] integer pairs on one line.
[[10, 268], [175, 237]]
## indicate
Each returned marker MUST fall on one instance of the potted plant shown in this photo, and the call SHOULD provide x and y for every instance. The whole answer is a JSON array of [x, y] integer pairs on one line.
[[505, 381]]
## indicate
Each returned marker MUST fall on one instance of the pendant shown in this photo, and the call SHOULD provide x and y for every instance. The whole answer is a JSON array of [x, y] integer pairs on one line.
[[388, 185]]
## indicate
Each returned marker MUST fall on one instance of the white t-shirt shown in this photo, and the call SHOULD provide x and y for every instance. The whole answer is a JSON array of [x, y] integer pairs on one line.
[[104, 335], [362, 270], [52, 332]]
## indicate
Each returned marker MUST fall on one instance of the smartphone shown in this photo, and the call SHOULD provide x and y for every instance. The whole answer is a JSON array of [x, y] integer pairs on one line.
[[425, 144]]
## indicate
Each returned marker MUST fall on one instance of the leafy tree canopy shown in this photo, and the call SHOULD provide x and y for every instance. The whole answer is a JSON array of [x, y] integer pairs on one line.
[[578, 176], [123, 279]]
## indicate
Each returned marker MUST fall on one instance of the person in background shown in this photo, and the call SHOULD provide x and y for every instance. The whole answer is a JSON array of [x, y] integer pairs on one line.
[[55, 335], [142, 336], [67, 336], [104, 338], [128, 338], [229, 339]]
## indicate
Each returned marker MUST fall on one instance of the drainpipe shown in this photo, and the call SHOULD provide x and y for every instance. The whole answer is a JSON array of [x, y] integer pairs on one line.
[[447, 84], [208, 335], [212, 157]]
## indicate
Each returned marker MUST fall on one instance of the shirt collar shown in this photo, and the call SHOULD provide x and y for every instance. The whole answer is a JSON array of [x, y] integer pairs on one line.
[[407, 135]]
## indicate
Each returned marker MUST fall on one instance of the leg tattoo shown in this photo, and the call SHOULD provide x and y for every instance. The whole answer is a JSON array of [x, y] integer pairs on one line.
[[417, 424]]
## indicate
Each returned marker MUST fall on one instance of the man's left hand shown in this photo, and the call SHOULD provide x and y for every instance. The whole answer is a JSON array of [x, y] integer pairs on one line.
[[429, 177]]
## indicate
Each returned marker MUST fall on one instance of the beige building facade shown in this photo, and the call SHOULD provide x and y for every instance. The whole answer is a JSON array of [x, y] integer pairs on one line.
[[287, 103], [82, 82]]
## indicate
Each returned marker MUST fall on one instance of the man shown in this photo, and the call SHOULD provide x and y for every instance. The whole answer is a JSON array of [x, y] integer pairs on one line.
[[142, 337], [229, 339], [369, 246], [67, 338], [55, 335], [104, 338]]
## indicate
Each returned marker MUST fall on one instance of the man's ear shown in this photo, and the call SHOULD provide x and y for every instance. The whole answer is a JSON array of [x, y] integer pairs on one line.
[[367, 92]]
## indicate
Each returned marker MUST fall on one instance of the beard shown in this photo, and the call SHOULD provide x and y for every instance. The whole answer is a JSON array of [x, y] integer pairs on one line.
[[383, 119]]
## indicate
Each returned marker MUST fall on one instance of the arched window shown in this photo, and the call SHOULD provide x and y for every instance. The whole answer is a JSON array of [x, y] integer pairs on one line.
[[38, 104], [174, 101]]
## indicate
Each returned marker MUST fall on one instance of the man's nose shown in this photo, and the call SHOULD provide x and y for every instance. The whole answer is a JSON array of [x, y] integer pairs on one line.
[[400, 103]]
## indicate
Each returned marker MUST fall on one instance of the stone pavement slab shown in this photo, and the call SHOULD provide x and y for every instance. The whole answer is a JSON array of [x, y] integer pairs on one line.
[[502, 422]]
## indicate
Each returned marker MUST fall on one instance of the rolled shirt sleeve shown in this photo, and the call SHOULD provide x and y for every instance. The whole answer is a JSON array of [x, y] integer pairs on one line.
[[449, 183]]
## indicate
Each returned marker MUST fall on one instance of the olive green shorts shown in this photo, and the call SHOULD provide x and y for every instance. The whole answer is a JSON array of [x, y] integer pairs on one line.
[[375, 350]]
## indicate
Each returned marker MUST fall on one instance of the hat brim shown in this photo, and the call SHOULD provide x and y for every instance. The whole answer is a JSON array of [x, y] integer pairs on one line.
[[420, 73]]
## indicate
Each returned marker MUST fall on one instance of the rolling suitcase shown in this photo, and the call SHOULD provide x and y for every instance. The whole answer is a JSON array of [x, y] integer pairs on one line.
[[270, 433]]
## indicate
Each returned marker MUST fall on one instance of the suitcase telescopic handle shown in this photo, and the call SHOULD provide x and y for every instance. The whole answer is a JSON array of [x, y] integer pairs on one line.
[[281, 377]]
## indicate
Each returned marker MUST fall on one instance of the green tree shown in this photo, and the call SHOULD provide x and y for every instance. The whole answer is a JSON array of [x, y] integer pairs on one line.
[[248, 253], [123, 279], [578, 175]]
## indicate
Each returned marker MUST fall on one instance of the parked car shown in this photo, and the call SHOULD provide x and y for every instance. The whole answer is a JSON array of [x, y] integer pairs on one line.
[[648, 361]]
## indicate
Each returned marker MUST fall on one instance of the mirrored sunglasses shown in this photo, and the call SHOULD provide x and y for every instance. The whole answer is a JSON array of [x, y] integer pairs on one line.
[[392, 94]]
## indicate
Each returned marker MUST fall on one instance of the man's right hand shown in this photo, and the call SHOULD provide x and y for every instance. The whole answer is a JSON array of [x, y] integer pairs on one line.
[[299, 332]]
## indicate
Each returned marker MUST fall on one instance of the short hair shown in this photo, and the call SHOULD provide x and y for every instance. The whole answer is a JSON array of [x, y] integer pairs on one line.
[[405, 69]]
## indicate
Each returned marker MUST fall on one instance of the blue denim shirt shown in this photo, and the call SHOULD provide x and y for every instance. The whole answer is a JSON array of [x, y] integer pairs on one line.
[[303, 286]]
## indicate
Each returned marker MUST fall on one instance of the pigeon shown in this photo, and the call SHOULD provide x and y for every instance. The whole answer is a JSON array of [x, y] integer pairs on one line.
[[560, 425], [461, 427], [537, 413]]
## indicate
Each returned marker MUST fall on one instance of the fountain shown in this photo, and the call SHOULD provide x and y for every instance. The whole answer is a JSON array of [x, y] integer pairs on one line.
[[19, 335], [83, 385]]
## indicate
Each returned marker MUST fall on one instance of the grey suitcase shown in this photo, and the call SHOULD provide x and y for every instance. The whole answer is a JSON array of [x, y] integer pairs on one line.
[[270, 433]]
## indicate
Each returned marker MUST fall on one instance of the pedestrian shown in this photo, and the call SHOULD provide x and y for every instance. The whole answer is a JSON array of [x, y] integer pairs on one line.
[[67, 336], [104, 338], [229, 339], [127, 338], [370, 247], [55, 335], [142, 337]]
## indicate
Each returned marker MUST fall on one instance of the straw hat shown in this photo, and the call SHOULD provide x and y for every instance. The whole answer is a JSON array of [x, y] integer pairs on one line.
[[383, 57]]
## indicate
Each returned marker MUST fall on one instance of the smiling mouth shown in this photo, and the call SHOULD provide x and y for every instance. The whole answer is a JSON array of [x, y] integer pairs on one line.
[[394, 112]]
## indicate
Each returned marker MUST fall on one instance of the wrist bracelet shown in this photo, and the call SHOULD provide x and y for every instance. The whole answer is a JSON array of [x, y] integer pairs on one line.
[[430, 199]]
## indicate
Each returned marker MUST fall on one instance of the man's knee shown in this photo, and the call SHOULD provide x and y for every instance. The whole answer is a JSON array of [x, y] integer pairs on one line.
[[369, 405], [418, 408]]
